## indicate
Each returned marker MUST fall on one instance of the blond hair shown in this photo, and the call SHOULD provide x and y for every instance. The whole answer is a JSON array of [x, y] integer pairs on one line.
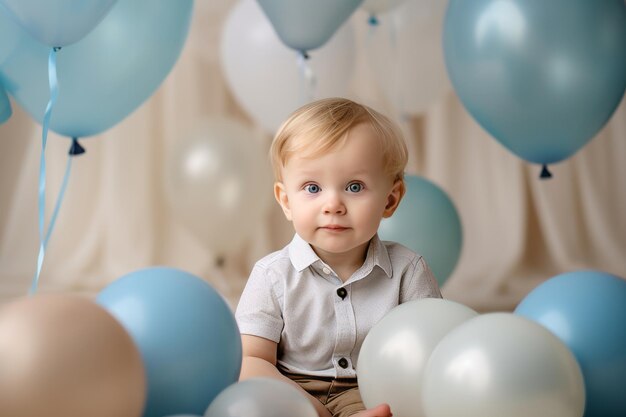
[[323, 125]]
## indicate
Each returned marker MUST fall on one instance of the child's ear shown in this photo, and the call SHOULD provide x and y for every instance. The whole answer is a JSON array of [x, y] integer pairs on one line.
[[281, 196], [394, 197]]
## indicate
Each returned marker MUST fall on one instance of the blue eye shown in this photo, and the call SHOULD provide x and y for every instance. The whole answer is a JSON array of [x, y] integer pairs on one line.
[[355, 187], [312, 188]]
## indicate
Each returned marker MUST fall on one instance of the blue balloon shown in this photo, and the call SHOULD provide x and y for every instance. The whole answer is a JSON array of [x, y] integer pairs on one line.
[[427, 222], [5, 106], [10, 35], [305, 25], [587, 311], [58, 22], [542, 77], [186, 333], [106, 75], [184, 415]]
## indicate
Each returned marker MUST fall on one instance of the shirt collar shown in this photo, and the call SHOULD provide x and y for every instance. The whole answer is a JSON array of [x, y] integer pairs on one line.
[[377, 254], [302, 255]]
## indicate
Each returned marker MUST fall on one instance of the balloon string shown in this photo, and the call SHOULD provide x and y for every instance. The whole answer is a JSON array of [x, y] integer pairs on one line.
[[75, 149], [397, 66], [53, 219], [371, 31], [308, 78], [54, 92], [221, 280]]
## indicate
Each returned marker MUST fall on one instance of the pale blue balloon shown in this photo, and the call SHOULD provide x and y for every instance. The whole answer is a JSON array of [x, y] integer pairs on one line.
[[106, 75], [186, 333], [10, 35], [261, 397], [587, 311], [57, 22], [542, 77], [304, 24], [5, 105], [428, 223], [184, 415]]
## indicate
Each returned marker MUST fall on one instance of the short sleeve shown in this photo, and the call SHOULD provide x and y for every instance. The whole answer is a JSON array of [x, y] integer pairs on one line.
[[258, 311], [419, 282]]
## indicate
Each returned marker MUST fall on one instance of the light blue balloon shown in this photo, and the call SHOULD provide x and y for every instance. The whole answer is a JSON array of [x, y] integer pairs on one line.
[[542, 77], [261, 397], [5, 106], [428, 223], [183, 415], [57, 22], [186, 333], [304, 24], [10, 35], [106, 75], [587, 311]]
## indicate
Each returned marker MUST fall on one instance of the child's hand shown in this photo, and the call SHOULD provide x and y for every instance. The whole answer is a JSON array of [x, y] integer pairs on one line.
[[381, 410]]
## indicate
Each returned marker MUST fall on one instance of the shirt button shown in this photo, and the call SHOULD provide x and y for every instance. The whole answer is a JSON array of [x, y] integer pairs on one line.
[[341, 292], [343, 362], [326, 270]]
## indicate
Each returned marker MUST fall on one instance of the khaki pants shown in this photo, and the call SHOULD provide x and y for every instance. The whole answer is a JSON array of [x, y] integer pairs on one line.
[[340, 396]]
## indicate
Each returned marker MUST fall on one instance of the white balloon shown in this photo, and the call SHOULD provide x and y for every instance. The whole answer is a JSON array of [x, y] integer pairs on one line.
[[218, 183], [261, 397], [264, 74], [406, 54], [396, 350], [500, 364]]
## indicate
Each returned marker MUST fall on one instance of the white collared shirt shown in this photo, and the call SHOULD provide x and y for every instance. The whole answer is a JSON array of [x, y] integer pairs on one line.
[[294, 299]]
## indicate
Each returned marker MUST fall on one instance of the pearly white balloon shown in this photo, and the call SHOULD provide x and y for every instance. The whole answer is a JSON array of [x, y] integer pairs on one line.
[[395, 352], [501, 364], [218, 183], [261, 397]]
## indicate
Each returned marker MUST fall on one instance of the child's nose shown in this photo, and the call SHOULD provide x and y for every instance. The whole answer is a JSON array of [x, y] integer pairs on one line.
[[334, 205]]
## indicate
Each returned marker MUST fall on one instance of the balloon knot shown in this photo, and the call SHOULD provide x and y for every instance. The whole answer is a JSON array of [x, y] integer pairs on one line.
[[545, 173], [56, 48], [75, 148], [304, 54], [373, 20]]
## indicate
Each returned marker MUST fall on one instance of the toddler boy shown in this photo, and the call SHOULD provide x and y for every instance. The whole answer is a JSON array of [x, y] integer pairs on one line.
[[307, 308]]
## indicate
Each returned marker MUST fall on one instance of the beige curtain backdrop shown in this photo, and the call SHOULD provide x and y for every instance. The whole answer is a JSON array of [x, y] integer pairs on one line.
[[518, 230]]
